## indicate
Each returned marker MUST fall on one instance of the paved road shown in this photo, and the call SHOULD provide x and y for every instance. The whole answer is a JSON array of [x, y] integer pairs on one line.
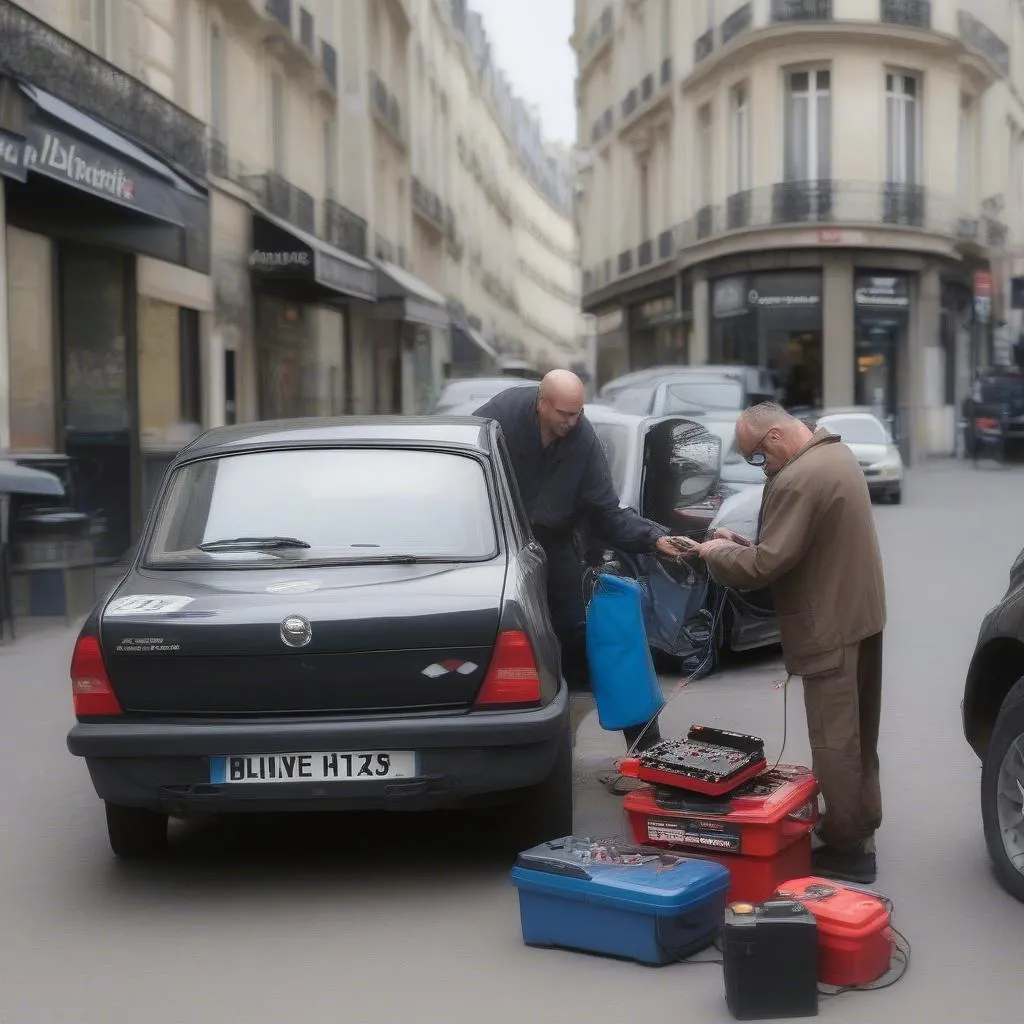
[[373, 922]]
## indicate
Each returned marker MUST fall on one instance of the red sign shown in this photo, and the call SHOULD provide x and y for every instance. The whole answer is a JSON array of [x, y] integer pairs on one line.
[[982, 282], [829, 236]]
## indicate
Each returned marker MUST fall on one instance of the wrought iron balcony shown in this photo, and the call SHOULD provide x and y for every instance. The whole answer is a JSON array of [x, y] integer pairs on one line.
[[32, 50], [599, 35], [344, 229], [832, 204], [666, 71], [645, 254], [281, 11], [739, 21], [383, 249], [379, 97], [630, 103], [307, 32], [217, 158], [665, 245], [979, 37], [647, 88], [386, 109], [915, 13], [704, 46], [329, 62], [626, 262], [283, 199], [427, 204], [801, 10]]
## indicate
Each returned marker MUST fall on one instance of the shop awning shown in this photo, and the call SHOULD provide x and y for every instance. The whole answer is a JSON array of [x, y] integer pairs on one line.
[[403, 296], [286, 255], [68, 146]]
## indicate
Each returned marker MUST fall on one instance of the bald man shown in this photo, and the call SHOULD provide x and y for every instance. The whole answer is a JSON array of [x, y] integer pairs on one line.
[[564, 481], [816, 548]]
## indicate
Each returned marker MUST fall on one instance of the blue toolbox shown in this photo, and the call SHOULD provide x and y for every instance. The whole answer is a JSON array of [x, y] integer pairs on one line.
[[619, 900]]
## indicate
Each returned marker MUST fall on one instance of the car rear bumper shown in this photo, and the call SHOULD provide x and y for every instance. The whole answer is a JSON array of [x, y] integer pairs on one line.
[[468, 758]]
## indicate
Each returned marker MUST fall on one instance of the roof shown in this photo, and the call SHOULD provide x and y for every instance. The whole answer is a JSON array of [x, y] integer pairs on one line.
[[468, 432]]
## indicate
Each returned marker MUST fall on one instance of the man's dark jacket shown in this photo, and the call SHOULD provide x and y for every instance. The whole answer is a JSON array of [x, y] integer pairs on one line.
[[565, 486]]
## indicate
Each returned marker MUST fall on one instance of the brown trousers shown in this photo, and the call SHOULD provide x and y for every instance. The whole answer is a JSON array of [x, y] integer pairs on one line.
[[844, 706]]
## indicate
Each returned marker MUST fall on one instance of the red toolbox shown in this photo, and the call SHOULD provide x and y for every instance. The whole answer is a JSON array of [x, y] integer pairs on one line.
[[761, 832], [855, 936]]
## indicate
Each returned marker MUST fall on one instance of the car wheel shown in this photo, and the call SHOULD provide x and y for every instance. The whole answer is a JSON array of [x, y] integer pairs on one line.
[[546, 810], [1002, 794], [136, 833]]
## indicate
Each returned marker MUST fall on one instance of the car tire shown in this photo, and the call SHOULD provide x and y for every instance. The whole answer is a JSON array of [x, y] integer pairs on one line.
[[545, 811], [136, 833], [1008, 733]]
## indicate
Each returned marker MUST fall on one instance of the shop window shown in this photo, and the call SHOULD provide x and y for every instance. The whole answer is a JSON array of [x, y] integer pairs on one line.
[[30, 318]]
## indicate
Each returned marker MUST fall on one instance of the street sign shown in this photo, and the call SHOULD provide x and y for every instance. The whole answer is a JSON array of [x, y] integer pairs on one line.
[[982, 283]]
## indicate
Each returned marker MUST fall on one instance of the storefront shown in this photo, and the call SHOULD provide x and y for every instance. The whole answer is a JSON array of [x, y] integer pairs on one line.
[[881, 311], [657, 333], [411, 339], [772, 320], [303, 289], [472, 355], [107, 285]]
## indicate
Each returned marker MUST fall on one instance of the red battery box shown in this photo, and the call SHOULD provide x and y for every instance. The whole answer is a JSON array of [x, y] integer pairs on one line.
[[761, 832], [709, 761], [856, 943]]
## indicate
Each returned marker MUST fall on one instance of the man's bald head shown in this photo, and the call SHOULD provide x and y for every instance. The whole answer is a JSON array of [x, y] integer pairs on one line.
[[767, 435], [560, 403]]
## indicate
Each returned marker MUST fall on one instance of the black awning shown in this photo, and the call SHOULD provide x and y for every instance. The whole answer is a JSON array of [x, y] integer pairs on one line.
[[403, 296], [284, 254], [68, 146]]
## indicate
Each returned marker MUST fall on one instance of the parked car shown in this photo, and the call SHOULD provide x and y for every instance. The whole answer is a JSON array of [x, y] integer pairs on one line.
[[670, 469], [993, 722], [870, 440], [993, 413], [326, 615], [662, 390], [461, 397]]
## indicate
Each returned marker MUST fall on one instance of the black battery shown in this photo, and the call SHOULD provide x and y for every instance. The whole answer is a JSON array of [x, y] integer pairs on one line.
[[770, 960]]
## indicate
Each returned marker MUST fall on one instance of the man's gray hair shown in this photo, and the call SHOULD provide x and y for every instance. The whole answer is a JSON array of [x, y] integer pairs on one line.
[[764, 416]]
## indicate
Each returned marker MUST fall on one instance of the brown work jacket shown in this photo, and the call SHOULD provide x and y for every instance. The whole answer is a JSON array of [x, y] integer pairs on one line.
[[817, 550]]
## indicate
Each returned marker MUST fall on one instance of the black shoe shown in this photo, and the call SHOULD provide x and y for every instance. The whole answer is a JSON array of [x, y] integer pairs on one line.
[[845, 865]]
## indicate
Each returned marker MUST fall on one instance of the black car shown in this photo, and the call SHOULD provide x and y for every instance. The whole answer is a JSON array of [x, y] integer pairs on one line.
[[671, 469], [327, 615], [993, 723]]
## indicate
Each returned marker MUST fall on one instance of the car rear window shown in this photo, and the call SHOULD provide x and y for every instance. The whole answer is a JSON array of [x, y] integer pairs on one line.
[[856, 430], [716, 395], [346, 504]]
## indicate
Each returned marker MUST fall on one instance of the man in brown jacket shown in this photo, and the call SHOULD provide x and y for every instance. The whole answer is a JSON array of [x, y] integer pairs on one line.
[[818, 552]]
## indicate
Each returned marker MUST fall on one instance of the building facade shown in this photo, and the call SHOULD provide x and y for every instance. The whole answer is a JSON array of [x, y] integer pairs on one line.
[[820, 187], [216, 211]]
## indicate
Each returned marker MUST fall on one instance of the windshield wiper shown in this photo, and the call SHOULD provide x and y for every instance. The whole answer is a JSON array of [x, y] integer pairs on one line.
[[252, 544]]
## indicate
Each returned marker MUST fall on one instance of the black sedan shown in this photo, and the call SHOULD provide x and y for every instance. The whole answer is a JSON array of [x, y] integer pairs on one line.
[[687, 475], [327, 615], [993, 723]]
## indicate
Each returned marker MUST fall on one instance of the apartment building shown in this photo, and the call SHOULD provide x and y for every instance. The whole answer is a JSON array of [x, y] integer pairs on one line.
[[833, 189], [218, 211]]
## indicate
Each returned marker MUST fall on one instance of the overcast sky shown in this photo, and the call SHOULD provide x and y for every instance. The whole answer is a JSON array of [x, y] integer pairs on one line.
[[530, 42]]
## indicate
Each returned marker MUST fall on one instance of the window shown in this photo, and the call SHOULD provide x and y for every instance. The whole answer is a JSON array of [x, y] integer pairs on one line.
[[330, 160], [903, 129], [347, 504], [808, 126], [277, 122], [218, 84], [704, 146], [740, 140]]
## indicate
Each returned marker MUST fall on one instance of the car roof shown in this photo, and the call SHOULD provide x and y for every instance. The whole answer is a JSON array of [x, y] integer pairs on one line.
[[467, 432], [656, 373], [468, 383]]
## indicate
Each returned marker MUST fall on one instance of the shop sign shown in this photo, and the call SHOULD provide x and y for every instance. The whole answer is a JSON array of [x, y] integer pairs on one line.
[[263, 260], [728, 298], [755, 298], [655, 312], [12, 156], [79, 165], [890, 292]]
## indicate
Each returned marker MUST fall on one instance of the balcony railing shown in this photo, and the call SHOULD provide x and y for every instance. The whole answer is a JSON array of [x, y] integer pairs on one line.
[[979, 37], [801, 10], [626, 262], [386, 107], [646, 88], [32, 50], [344, 229], [307, 31], [599, 34], [915, 13], [630, 103], [704, 46], [739, 21], [217, 158], [829, 203], [428, 205], [285, 200], [329, 62], [645, 254], [666, 71], [665, 246]]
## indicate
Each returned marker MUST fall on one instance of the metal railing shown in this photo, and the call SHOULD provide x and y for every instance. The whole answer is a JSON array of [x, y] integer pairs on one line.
[[739, 21], [801, 10], [344, 229], [217, 158], [285, 200], [307, 33], [32, 50], [979, 37], [600, 32], [666, 71], [827, 203], [427, 203], [630, 103], [329, 62], [915, 13], [281, 11], [704, 46]]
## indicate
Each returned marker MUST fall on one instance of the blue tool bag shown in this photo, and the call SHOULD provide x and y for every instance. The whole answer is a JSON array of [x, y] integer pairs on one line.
[[622, 674]]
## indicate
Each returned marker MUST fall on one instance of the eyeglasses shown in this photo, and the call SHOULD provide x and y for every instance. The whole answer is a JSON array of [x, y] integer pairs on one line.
[[757, 457]]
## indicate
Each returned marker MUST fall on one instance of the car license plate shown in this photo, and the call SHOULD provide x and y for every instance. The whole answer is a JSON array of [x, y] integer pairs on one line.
[[325, 766]]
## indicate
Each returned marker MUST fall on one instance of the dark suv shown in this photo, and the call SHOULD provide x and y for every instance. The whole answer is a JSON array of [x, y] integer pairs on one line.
[[993, 722], [993, 414]]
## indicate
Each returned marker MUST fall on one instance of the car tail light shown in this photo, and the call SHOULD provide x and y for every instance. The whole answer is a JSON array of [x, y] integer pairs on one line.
[[986, 423], [90, 684], [512, 677]]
